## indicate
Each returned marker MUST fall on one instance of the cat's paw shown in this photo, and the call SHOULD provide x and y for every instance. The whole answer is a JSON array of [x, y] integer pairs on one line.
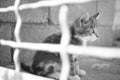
[[75, 77], [81, 72]]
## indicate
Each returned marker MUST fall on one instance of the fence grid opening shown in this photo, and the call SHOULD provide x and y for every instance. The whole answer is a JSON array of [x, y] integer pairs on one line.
[[63, 47]]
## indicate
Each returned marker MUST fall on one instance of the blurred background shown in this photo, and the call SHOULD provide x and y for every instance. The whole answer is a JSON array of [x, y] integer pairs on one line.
[[41, 22]]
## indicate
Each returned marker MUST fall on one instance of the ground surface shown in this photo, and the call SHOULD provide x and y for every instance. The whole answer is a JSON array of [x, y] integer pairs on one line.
[[100, 69]]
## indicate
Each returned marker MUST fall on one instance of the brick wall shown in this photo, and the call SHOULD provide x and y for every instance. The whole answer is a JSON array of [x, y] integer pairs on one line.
[[32, 32]]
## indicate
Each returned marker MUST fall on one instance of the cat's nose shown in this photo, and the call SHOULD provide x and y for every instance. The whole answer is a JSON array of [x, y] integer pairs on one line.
[[97, 35]]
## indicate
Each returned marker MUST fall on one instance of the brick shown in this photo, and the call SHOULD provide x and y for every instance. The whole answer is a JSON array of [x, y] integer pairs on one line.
[[75, 11]]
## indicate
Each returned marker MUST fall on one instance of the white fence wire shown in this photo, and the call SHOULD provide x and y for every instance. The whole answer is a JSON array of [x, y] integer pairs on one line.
[[63, 48]]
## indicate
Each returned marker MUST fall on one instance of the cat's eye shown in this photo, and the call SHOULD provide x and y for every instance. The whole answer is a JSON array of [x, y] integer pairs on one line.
[[93, 31]]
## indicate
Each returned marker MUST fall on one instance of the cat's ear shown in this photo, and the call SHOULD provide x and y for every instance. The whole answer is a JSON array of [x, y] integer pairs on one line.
[[96, 16], [85, 17]]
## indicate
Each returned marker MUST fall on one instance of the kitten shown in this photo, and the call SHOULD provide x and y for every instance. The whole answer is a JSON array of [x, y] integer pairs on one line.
[[82, 30]]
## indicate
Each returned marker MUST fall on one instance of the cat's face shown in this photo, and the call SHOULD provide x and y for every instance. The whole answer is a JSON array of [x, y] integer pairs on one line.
[[85, 27]]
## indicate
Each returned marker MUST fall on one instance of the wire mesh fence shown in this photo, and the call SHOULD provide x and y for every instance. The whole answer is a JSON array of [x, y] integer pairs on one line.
[[63, 47]]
